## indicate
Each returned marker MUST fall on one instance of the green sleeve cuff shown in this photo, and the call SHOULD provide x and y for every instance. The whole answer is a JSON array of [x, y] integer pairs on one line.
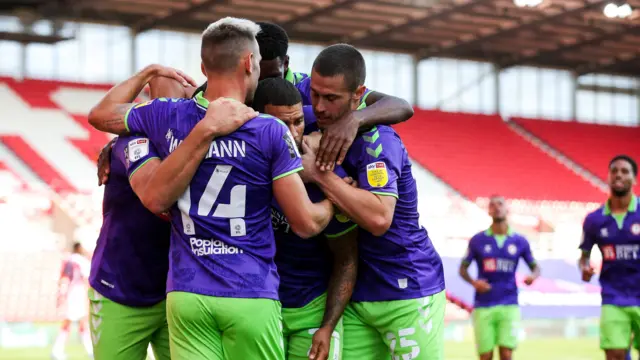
[[333, 236], [385, 194], [288, 173], [141, 165]]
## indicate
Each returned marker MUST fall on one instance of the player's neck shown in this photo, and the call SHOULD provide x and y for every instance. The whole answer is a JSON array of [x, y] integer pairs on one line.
[[500, 228], [224, 86], [619, 204]]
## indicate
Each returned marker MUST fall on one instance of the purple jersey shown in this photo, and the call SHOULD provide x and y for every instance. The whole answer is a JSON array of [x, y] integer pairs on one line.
[[304, 87], [618, 238], [305, 265], [222, 241], [131, 258], [401, 264], [497, 262]]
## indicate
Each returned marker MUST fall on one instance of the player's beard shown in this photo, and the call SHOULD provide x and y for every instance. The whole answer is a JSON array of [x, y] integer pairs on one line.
[[621, 192]]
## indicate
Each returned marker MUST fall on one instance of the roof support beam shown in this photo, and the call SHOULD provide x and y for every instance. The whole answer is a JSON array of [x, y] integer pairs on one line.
[[430, 15], [316, 11], [609, 64], [580, 42], [509, 30], [153, 21]]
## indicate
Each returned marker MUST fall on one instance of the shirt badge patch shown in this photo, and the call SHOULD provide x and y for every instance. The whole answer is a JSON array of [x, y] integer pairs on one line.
[[512, 249], [138, 149], [377, 174], [487, 248], [635, 229]]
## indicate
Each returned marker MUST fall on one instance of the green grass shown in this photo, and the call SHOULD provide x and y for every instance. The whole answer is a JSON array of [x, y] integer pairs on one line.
[[535, 349]]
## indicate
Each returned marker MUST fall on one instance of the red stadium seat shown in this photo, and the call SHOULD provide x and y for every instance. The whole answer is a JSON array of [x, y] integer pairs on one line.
[[479, 155], [590, 145]]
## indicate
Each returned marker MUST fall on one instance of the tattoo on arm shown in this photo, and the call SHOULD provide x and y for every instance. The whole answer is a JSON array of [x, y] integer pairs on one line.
[[115, 121], [343, 277]]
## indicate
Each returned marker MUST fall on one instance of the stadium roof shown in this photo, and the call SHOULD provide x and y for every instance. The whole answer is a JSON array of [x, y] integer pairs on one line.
[[569, 34]]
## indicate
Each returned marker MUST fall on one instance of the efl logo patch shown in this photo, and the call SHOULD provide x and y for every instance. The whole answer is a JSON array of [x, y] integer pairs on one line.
[[608, 252], [291, 144], [377, 174], [137, 149], [489, 265], [635, 229]]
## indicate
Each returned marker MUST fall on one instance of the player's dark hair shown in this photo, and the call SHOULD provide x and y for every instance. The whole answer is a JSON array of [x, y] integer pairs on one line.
[[275, 91], [224, 41], [273, 41], [76, 247], [342, 59], [627, 158]]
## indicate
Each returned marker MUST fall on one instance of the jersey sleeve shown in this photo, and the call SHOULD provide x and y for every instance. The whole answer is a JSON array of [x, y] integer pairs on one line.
[[588, 238], [150, 117], [285, 157], [470, 255], [380, 162], [134, 151], [527, 256]]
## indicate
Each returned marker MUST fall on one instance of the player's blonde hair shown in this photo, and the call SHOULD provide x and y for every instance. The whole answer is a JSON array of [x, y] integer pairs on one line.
[[224, 42]]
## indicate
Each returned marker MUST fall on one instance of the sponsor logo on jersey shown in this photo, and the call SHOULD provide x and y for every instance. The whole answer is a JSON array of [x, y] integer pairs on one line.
[[137, 149], [498, 265], [635, 229], [205, 247], [489, 265], [620, 252], [377, 174]]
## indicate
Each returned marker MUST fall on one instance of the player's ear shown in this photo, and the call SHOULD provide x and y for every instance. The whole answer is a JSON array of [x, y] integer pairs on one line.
[[248, 63], [359, 93], [286, 63]]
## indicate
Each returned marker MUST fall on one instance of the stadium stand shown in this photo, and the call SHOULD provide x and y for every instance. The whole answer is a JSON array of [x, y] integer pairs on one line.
[[589, 145], [479, 154]]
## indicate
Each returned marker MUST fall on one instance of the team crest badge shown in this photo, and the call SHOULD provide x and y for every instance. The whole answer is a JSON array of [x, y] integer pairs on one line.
[[512, 249], [635, 229], [377, 174]]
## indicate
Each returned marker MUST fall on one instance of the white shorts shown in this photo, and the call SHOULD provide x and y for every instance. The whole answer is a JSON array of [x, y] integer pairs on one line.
[[77, 304]]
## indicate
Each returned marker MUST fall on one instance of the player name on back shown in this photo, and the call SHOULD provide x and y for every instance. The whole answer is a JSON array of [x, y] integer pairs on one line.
[[218, 148]]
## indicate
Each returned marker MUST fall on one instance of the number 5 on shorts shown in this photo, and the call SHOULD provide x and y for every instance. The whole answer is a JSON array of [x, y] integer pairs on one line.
[[235, 210]]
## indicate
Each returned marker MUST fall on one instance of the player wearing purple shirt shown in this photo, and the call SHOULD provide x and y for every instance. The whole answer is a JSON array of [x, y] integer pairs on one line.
[[128, 273], [317, 275], [615, 229], [222, 300], [497, 251], [397, 308]]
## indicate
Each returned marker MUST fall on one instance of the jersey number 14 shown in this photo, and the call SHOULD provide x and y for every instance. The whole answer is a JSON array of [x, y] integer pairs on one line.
[[234, 211]]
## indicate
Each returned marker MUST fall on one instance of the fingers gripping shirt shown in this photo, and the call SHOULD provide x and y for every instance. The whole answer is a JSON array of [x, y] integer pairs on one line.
[[497, 264], [402, 264], [304, 265], [222, 242]]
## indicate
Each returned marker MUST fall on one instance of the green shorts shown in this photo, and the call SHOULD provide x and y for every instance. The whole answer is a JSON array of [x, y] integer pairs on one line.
[[215, 328], [617, 324], [496, 326], [401, 329], [300, 324], [120, 332]]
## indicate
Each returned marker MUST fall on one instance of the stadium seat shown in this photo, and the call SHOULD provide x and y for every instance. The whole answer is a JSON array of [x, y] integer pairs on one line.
[[479, 155], [589, 145]]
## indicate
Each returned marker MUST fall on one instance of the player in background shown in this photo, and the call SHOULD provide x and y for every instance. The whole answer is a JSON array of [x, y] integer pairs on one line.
[[73, 296], [497, 251], [615, 229], [398, 303], [317, 276], [222, 277]]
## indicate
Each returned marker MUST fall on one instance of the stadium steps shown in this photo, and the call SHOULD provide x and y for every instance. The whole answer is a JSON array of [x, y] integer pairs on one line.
[[590, 146], [560, 157], [479, 155]]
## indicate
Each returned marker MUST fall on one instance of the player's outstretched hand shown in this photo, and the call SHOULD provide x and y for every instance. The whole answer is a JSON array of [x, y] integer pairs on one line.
[[529, 280], [587, 273], [320, 344], [481, 286], [225, 116], [175, 74], [336, 141], [104, 163]]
